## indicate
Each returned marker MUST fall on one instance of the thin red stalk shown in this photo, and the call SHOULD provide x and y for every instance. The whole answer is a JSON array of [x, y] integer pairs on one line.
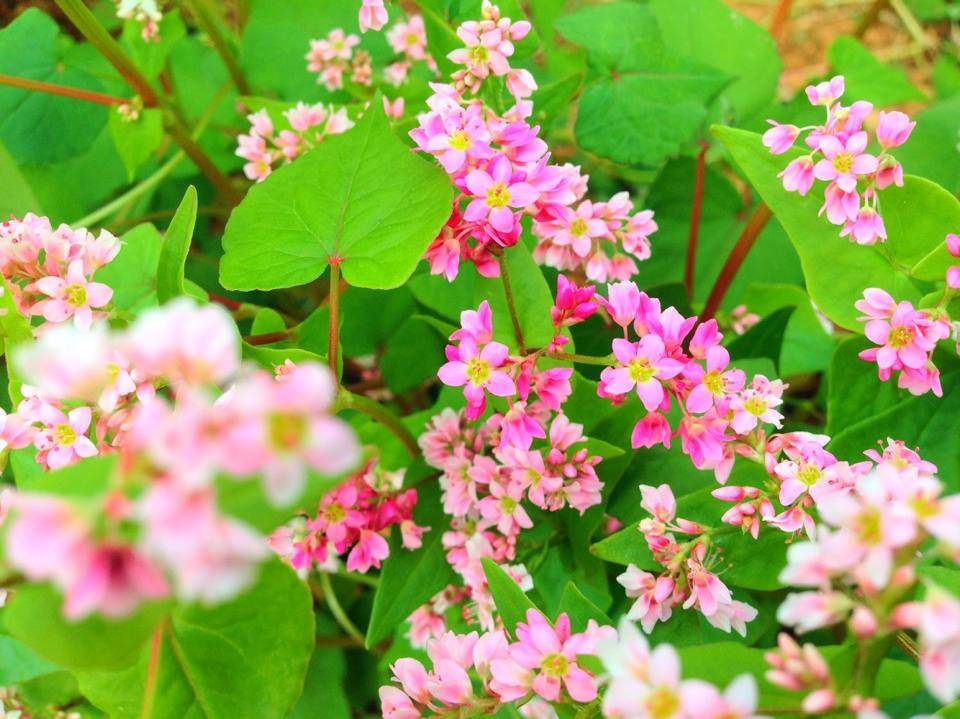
[[695, 212], [153, 665], [267, 338], [511, 303], [780, 17], [225, 301], [74, 92], [758, 220]]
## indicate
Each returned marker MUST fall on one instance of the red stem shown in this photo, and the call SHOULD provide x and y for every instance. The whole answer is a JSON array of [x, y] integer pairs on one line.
[[267, 338], [780, 17], [695, 212], [75, 92], [225, 301], [758, 220]]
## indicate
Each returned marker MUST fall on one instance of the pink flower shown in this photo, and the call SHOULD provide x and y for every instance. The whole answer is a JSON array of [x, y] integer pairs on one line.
[[373, 15], [544, 659], [867, 228], [71, 296], [738, 701], [798, 175], [409, 38], [812, 610], [714, 384], [953, 244], [394, 704], [111, 579], [840, 207], [496, 194], [63, 440], [756, 404], [825, 93], [504, 507], [905, 340], [780, 138], [652, 594], [643, 365], [368, 552], [844, 162], [893, 129], [476, 371], [876, 304], [622, 303]]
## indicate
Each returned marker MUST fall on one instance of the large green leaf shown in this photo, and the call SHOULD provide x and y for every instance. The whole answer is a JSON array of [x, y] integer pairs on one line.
[[19, 663], [176, 246], [854, 392], [32, 124], [938, 127], [18, 197], [512, 603], [869, 79], [410, 578], [646, 102], [136, 140], [917, 217], [244, 659], [133, 272], [361, 197]]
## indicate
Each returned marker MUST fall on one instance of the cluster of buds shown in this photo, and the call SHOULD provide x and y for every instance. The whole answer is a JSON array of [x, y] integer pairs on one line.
[[853, 175], [264, 148], [687, 578], [50, 271], [334, 56], [145, 12], [802, 669], [352, 520]]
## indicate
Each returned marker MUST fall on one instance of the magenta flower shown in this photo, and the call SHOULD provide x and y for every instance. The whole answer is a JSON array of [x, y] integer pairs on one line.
[[845, 162], [71, 296], [893, 129], [907, 339], [798, 175], [643, 365], [780, 138], [841, 207], [715, 383], [867, 228], [112, 580], [496, 194], [477, 372], [64, 438], [825, 93]]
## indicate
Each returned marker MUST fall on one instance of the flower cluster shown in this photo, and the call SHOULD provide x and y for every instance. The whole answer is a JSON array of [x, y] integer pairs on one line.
[[906, 337], [502, 171], [351, 521], [478, 673], [373, 15], [50, 271], [334, 56], [145, 12], [861, 565], [263, 148], [150, 394], [687, 578], [838, 156], [409, 40], [802, 669]]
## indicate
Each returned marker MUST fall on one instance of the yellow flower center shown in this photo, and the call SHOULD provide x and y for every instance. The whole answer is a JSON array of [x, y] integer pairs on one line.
[[555, 665], [479, 54], [713, 381], [508, 504], [334, 513], [900, 336], [842, 162], [76, 295], [755, 405], [498, 195], [641, 370], [809, 474], [286, 429], [662, 703], [64, 434], [412, 38], [478, 370], [868, 527], [578, 227], [460, 140]]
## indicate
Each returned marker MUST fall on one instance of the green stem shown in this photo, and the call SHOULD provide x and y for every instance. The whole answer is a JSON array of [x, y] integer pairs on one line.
[[207, 19], [153, 180], [375, 410], [511, 304], [333, 332], [86, 22], [358, 578], [333, 604]]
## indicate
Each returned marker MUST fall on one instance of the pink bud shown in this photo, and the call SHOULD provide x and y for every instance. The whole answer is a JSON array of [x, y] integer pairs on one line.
[[893, 129], [730, 493], [863, 623], [953, 277], [819, 701], [953, 244]]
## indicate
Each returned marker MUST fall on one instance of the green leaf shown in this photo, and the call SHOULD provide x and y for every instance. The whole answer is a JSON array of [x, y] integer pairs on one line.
[[836, 270], [176, 246], [869, 79], [32, 123], [854, 391], [765, 339], [88, 478], [151, 55], [323, 691], [580, 609], [34, 616], [133, 272], [381, 208], [136, 140], [242, 660], [512, 602], [410, 578], [648, 102], [19, 663], [18, 197], [938, 127], [711, 32]]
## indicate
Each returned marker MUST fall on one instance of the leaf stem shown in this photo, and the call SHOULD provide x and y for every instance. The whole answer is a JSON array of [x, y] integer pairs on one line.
[[511, 303], [88, 25], [780, 17], [333, 604], [333, 333], [207, 19], [695, 212], [758, 220], [74, 92], [375, 410], [153, 665], [268, 338]]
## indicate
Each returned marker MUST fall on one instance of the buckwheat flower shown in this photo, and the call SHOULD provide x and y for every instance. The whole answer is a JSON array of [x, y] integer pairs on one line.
[[893, 129], [496, 193], [622, 303], [520, 83], [714, 383], [504, 507], [43, 533], [518, 427], [906, 339], [756, 403], [812, 610], [643, 365], [62, 439], [707, 592], [476, 325], [455, 137], [409, 38], [373, 15], [368, 552], [578, 228], [843, 162], [867, 228], [798, 175], [653, 596], [738, 701], [71, 296], [733, 616], [476, 370], [394, 704], [937, 621], [780, 138], [826, 93], [111, 579], [876, 304]]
